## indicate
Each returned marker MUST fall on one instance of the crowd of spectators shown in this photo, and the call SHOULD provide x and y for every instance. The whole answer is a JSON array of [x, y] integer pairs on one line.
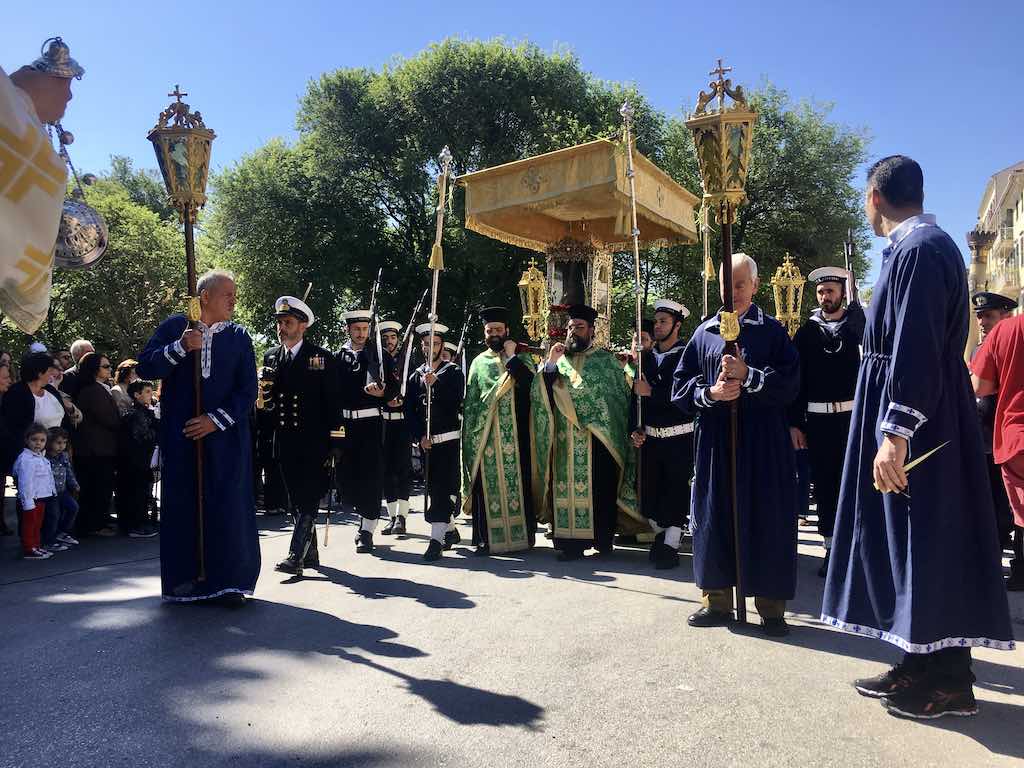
[[78, 438]]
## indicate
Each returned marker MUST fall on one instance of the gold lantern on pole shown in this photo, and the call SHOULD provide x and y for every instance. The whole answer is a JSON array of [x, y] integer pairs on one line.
[[182, 143], [534, 298], [723, 138], [788, 289]]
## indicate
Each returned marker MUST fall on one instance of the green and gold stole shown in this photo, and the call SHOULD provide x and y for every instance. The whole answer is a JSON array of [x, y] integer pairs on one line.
[[591, 400], [490, 448]]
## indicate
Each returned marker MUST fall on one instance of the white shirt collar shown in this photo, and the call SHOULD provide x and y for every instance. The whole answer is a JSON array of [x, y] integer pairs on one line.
[[907, 226], [295, 350]]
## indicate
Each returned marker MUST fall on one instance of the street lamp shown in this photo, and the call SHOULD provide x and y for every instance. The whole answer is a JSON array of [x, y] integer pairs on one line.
[[724, 138], [182, 143]]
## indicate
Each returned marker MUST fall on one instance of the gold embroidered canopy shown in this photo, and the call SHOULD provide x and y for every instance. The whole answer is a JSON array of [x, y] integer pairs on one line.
[[581, 191]]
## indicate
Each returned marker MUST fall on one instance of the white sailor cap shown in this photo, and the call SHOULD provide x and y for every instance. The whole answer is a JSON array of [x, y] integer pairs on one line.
[[293, 307], [356, 316], [390, 325], [451, 347], [672, 307], [37, 346], [423, 329], [829, 275]]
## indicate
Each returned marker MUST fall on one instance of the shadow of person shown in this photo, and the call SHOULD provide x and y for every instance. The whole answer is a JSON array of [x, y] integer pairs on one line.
[[465, 704], [380, 588], [997, 727]]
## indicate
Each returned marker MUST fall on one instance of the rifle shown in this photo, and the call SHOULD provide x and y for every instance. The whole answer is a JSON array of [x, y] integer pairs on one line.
[[376, 328], [407, 341], [848, 250]]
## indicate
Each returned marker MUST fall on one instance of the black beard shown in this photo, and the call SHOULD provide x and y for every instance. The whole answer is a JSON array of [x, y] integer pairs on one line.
[[575, 344], [495, 343]]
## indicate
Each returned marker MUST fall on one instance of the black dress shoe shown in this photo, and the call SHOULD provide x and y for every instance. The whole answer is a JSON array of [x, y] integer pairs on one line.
[[482, 550], [823, 571], [230, 600], [451, 538], [775, 627], [290, 564], [659, 541], [364, 542], [434, 550], [666, 558], [396, 527], [705, 617]]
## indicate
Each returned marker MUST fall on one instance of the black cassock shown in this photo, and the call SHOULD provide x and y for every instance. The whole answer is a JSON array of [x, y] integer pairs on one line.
[[445, 430], [829, 361]]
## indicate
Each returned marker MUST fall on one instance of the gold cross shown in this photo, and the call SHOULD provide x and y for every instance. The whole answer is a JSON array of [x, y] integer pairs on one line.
[[177, 94], [720, 86], [719, 70]]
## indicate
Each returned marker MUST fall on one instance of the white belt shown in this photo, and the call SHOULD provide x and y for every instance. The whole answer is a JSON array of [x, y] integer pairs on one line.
[[444, 437], [365, 413], [392, 415], [843, 407], [678, 429]]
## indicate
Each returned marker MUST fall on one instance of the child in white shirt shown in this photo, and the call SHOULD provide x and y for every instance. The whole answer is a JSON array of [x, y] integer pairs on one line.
[[34, 478]]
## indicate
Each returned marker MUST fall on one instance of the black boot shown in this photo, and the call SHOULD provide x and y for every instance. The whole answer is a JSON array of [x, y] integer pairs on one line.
[[291, 564], [364, 542], [434, 550], [451, 538]]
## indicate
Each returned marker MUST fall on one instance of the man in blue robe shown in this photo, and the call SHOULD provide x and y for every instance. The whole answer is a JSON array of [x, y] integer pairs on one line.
[[915, 558], [230, 541], [764, 379]]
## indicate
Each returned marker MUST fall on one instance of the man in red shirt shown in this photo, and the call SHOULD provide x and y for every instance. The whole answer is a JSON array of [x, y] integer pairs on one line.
[[998, 367]]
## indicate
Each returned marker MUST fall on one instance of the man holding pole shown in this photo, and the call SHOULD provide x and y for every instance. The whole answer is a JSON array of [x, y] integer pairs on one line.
[[397, 452], [215, 554], [763, 380]]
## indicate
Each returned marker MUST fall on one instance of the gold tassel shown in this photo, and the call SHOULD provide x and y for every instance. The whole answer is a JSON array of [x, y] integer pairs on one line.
[[436, 257], [709, 268]]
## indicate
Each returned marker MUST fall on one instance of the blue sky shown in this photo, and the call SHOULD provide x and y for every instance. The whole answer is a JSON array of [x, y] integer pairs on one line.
[[938, 81]]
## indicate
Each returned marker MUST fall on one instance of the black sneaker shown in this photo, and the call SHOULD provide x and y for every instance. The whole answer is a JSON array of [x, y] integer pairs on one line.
[[364, 542], [894, 682], [775, 627], [451, 538], [927, 703], [434, 550], [705, 617]]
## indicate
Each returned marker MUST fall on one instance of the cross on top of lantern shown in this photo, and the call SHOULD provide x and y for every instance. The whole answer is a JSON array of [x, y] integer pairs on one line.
[[788, 289], [182, 143], [534, 298], [724, 138]]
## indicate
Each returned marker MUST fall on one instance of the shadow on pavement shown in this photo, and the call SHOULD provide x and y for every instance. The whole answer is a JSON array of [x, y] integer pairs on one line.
[[379, 588]]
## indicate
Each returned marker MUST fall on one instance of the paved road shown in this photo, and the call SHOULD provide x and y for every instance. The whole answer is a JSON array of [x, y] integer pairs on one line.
[[384, 660]]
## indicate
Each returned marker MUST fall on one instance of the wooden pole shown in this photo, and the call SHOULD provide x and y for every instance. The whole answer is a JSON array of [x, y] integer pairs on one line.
[[732, 348], [627, 119], [190, 270]]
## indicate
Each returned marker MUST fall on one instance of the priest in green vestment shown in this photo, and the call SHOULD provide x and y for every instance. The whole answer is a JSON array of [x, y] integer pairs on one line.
[[496, 442], [584, 467]]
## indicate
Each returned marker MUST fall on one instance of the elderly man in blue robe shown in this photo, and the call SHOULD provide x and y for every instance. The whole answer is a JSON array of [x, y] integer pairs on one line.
[[764, 379], [229, 540], [915, 557]]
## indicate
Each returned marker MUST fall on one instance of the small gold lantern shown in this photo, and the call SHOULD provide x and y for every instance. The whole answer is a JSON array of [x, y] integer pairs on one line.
[[533, 296], [182, 143], [788, 288]]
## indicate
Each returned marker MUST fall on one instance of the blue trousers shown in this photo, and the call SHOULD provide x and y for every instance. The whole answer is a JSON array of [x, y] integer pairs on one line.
[[59, 517]]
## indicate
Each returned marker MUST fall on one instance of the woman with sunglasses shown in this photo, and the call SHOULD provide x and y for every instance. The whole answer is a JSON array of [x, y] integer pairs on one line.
[[95, 444]]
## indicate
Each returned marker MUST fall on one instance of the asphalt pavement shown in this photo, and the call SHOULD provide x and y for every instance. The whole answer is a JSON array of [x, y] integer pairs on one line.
[[385, 660]]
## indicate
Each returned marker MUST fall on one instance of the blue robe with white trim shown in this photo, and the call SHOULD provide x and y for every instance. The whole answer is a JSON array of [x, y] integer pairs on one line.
[[231, 540], [922, 573], [766, 466]]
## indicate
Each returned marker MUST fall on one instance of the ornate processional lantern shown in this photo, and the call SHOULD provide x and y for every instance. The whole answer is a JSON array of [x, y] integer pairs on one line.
[[788, 290], [534, 298], [723, 138]]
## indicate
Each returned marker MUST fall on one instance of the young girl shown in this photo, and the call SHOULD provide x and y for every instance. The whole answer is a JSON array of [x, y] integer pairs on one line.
[[62, 509], [34, 478]]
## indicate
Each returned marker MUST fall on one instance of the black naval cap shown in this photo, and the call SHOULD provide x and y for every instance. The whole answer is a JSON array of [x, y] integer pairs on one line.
[[985, 300], [494, 315], [582, 312]]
